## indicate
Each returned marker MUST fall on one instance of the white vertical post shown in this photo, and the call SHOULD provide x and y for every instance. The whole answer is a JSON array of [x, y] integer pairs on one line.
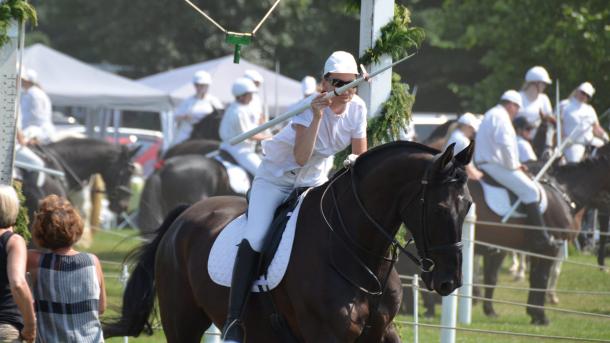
[[557, 113], [465, 306], [415, 283], [167, 127], [448, 318], [9, 96], [374, 14], [123, 279], [212, 335]]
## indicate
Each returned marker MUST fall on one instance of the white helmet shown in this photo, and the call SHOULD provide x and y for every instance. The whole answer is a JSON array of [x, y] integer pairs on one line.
[[309, 85], [202, 77], [470, 119], [512, 96], [29, 75], [587, 88], [254, 75], [341, 62], [242, 86], [538, 74]]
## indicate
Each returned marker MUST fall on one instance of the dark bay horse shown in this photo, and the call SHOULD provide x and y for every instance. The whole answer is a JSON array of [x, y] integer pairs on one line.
[[183, 176], [400, 182], [582, 182], [79, 159]]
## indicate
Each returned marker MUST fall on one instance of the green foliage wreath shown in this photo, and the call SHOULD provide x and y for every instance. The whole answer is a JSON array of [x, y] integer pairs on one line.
[[18, 10]]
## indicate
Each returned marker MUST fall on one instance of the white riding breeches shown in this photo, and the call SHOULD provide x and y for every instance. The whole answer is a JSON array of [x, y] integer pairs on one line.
[[25, 155], [574, 153], [246, 159], [266, 195], [515, 180]]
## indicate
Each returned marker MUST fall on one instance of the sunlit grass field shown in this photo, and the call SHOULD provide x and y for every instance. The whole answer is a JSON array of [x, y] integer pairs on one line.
[[111, 247]]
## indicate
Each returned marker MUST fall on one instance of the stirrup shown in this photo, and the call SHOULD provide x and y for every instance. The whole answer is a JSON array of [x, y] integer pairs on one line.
[[233, 331]]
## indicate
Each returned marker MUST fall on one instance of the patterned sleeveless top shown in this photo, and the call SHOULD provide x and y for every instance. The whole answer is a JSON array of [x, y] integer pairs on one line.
[[67, 293]]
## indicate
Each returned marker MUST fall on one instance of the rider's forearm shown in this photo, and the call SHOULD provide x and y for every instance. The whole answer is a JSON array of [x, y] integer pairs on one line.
[[303, 146]]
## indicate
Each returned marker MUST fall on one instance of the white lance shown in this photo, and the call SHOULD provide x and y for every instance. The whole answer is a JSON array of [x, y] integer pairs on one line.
[[546, 167], [305, 105]]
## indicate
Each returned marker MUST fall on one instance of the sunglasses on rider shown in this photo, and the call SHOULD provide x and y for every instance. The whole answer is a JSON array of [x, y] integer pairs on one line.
[[336, 82]]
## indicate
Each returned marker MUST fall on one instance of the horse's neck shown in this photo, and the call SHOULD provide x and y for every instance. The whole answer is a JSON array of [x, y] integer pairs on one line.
[[583, 183], [84, 162]]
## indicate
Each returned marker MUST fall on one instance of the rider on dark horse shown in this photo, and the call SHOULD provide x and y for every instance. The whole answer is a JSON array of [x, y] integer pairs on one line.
[[296, 157], [496, 153]]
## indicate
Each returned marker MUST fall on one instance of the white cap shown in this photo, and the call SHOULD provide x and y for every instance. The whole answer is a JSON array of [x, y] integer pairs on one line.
[[242, 86], [538, 74], [254, 75], [29, 75], [512, 96], [587, 88], [309, 85], [202, 77], [341, 62], [470, 119]]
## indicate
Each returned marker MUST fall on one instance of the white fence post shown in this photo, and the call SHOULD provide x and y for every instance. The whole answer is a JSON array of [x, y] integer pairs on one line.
[[123, 279], [415, 283], [212, 335], [448, 318], [465, 306]]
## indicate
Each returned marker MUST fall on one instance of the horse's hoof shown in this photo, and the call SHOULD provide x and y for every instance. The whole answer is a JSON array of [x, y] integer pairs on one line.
[[489, 312], [552, 299], [541, 321]]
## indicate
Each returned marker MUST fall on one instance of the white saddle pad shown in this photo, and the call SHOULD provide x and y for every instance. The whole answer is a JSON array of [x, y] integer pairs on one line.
[[224, 251], [238, 177], [499, 202]]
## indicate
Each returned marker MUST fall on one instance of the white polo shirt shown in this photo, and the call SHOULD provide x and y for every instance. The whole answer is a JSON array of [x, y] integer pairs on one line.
[[496, 140], [238, 118], [37, 114], [526, 152], [197, 109], [579, 115], [335, 134], [531, 108]]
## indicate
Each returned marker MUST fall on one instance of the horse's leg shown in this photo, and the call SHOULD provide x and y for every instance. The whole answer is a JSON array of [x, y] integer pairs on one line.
[[603, 229], [391, 335], [554, 278], [182, 320], [539, 278], [491, 266]]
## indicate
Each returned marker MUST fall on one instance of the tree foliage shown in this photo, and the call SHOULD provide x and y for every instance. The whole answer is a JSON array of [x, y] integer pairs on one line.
[[571, 38]]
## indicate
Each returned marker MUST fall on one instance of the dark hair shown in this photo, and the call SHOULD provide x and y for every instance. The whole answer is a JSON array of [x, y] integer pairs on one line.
[[56, 224]]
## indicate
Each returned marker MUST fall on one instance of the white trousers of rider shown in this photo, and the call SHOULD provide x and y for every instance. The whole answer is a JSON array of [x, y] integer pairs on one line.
[[248, 160], [515, 180], [574, 153], [25, 155], [266, 195]]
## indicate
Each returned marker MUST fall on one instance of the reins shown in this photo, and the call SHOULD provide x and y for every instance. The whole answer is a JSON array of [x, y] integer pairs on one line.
[[424, 262]]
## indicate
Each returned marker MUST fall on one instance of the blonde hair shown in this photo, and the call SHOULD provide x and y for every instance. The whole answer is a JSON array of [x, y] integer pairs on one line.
[[9, 206]]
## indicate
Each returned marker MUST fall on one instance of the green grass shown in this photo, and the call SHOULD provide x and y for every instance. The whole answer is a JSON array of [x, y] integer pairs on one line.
[[109, 247]]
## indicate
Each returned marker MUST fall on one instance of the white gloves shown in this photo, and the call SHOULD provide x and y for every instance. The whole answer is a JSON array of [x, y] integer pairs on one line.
[[350, 160]]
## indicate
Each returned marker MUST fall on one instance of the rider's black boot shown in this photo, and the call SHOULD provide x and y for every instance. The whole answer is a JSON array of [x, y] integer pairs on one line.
[[540, 239], [246, 267]]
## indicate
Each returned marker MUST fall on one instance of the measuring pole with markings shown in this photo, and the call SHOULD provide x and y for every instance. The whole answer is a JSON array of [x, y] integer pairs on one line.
[[10, 84]]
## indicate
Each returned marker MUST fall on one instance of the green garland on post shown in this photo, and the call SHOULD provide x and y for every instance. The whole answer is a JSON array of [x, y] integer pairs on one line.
[[396, 40], [18, 10], [22, 225]]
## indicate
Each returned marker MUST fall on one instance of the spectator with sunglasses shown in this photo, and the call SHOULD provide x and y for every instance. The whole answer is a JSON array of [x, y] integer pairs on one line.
[[296, 157], [576, 113]]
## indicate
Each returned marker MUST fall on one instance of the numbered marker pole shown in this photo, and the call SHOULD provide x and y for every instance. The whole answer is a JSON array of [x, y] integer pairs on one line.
[[9, 97], [415, 283]]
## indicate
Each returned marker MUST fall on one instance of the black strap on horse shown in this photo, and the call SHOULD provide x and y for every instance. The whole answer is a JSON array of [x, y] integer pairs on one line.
[[63, 164]]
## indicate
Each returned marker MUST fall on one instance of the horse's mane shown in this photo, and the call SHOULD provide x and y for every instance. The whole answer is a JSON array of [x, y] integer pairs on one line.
[[587, 164]]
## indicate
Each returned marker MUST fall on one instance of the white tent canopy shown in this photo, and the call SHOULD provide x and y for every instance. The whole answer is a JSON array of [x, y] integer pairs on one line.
[[178, 82], [70, 82]]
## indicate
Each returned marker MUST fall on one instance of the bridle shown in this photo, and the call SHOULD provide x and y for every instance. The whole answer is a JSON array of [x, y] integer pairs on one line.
[[119, 189], [424, 262]]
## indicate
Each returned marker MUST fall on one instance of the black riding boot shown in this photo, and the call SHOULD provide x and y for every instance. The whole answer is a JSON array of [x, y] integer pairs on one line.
[[540, 239], [246, 267]]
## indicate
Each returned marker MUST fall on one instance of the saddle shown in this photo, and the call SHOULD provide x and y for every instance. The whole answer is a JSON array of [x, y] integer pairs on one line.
[[500, 199], [276, 249]]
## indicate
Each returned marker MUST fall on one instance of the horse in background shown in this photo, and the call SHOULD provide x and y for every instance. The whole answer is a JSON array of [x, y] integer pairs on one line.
[[400, 182], [79, 159]]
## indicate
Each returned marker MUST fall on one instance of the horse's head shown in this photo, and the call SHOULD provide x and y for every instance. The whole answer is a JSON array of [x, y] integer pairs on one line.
[[118, 178], [436, 222]]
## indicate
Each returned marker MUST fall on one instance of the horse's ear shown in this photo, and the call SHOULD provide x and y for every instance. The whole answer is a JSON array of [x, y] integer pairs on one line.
[[465, 156], [444, 160], [132, 152]]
